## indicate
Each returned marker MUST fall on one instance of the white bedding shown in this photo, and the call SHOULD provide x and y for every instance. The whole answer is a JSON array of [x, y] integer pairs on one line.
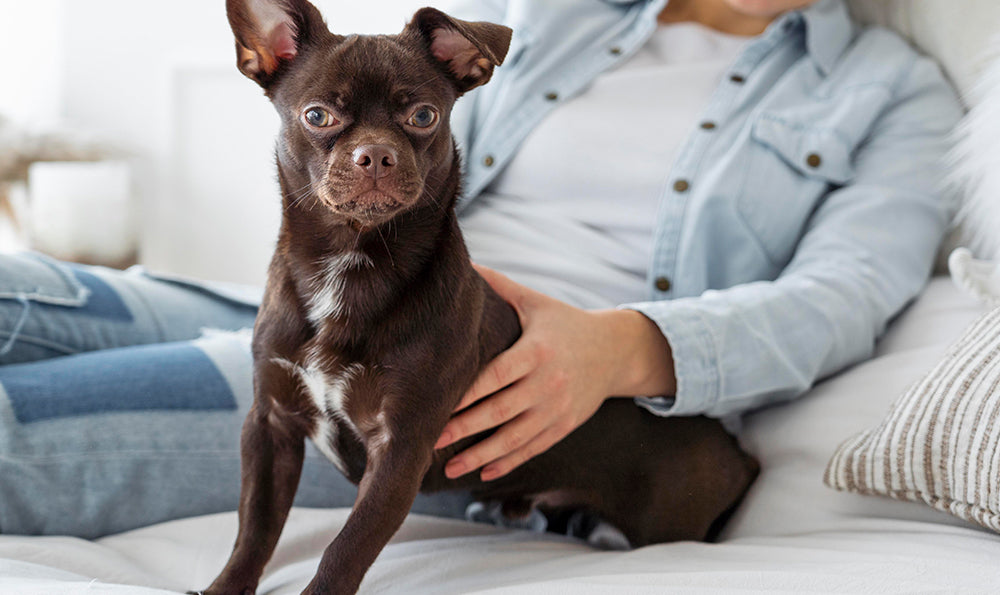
[[792, 535]]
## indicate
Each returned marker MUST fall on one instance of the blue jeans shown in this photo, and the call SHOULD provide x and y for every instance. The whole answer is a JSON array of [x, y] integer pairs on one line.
[[118, 409]]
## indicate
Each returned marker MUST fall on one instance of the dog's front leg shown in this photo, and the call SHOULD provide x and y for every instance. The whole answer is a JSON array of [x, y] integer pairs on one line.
[[272, 452], [386, 493]]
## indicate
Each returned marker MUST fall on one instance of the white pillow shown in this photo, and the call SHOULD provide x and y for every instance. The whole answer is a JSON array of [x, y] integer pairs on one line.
[[955, 34], [940, 443]]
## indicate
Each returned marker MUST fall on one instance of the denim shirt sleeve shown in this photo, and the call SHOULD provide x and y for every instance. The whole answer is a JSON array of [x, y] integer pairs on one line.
[[866, 251]]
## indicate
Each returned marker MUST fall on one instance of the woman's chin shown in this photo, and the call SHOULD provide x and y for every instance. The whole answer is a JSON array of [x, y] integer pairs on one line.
[[766, 8]]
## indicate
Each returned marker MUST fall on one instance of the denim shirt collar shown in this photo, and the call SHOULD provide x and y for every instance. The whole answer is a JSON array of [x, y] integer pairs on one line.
[[828, 29]]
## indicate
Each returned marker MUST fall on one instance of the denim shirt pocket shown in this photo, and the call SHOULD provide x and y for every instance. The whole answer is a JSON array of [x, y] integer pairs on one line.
[[791, 165]]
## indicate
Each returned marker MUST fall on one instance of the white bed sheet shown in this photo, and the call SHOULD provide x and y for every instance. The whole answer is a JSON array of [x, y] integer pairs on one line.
[[793, 535], [439, 556]]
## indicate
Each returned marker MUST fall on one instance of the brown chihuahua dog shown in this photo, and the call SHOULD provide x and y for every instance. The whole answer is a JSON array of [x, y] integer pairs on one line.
[[374, 322]]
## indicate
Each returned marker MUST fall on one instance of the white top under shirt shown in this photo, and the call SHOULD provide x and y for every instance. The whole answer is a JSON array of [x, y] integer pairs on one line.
[[573, 214]]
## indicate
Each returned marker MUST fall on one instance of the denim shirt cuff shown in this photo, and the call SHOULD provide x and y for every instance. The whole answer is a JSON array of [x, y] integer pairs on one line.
[[696, 361]]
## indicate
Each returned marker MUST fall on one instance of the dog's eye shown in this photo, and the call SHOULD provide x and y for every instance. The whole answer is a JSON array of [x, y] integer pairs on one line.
[[424, 117], [320, 118]]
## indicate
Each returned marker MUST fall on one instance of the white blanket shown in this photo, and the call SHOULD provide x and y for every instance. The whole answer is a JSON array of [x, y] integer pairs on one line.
[[792, 535]]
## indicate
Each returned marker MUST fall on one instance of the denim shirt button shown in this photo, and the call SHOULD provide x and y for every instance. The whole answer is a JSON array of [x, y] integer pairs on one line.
[[663, 284], [738, 78], [488, 161], [708, 125], [551, 96], [616, 51], [814, 160], [682, 186]]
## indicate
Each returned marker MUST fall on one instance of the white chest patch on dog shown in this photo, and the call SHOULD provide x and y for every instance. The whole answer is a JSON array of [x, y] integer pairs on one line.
[[329, 393], [328, 286]]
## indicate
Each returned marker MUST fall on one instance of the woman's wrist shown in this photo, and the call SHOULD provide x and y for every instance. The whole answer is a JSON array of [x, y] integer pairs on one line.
[[641, 361]]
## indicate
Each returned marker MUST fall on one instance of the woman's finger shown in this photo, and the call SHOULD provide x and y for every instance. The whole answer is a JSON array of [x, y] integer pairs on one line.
[[504, 370], [532, 448], [492, 412], [509, 438]]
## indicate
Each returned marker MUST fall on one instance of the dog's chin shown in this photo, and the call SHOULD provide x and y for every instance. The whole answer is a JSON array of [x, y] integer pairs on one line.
[[370, 208]]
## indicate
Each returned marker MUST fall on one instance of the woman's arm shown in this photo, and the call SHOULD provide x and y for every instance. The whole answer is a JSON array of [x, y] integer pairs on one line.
[[866, 251]]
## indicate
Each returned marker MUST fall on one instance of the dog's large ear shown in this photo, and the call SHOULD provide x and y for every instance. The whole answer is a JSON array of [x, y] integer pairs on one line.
[[468, 50], [271, 33]]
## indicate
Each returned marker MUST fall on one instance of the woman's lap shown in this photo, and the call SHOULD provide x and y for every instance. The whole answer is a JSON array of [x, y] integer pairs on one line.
[[113, 439], [49, 308]]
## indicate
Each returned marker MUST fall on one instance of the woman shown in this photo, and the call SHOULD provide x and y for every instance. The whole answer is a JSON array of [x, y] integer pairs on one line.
[[711, 203]]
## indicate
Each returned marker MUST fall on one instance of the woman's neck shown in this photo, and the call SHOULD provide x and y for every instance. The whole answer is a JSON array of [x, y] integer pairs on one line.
[[715, 14]]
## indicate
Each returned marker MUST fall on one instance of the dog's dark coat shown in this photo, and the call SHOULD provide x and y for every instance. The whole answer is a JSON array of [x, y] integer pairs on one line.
[[374, 322]]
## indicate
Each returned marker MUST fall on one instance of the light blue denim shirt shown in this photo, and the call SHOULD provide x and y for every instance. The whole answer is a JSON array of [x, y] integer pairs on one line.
[[803, 211]]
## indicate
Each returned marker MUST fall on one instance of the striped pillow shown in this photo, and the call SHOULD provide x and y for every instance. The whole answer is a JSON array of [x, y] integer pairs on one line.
[[940, 443]]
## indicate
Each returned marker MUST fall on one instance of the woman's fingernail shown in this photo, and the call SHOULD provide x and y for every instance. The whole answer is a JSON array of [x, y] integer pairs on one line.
[[490, 473], [443, 441], [454, 469]]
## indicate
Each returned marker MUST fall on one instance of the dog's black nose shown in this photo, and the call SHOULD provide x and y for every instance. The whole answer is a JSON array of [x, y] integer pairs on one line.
[[375, 160]]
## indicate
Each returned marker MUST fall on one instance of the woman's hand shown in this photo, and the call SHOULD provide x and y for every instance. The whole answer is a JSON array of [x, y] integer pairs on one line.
[[553, 379]]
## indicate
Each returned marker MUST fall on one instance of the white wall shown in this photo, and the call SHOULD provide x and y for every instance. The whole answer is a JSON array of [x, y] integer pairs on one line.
[[31, 49]]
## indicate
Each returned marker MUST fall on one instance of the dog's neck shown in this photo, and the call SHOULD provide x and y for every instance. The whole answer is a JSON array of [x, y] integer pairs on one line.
[[347, 276]]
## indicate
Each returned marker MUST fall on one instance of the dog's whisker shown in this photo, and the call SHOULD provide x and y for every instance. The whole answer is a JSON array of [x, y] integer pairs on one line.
[[304, 186], [299, 200], [386, 244], [357, 240], [303, 191], [300, 190], [292, 205], [300, 195], [436, 180], [425, 83]]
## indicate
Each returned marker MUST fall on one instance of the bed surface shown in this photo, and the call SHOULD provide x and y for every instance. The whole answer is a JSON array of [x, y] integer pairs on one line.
[[439, 556], [792, 535]]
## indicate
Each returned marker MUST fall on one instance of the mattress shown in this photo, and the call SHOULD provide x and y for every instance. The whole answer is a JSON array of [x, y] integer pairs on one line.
[[791, 535]]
